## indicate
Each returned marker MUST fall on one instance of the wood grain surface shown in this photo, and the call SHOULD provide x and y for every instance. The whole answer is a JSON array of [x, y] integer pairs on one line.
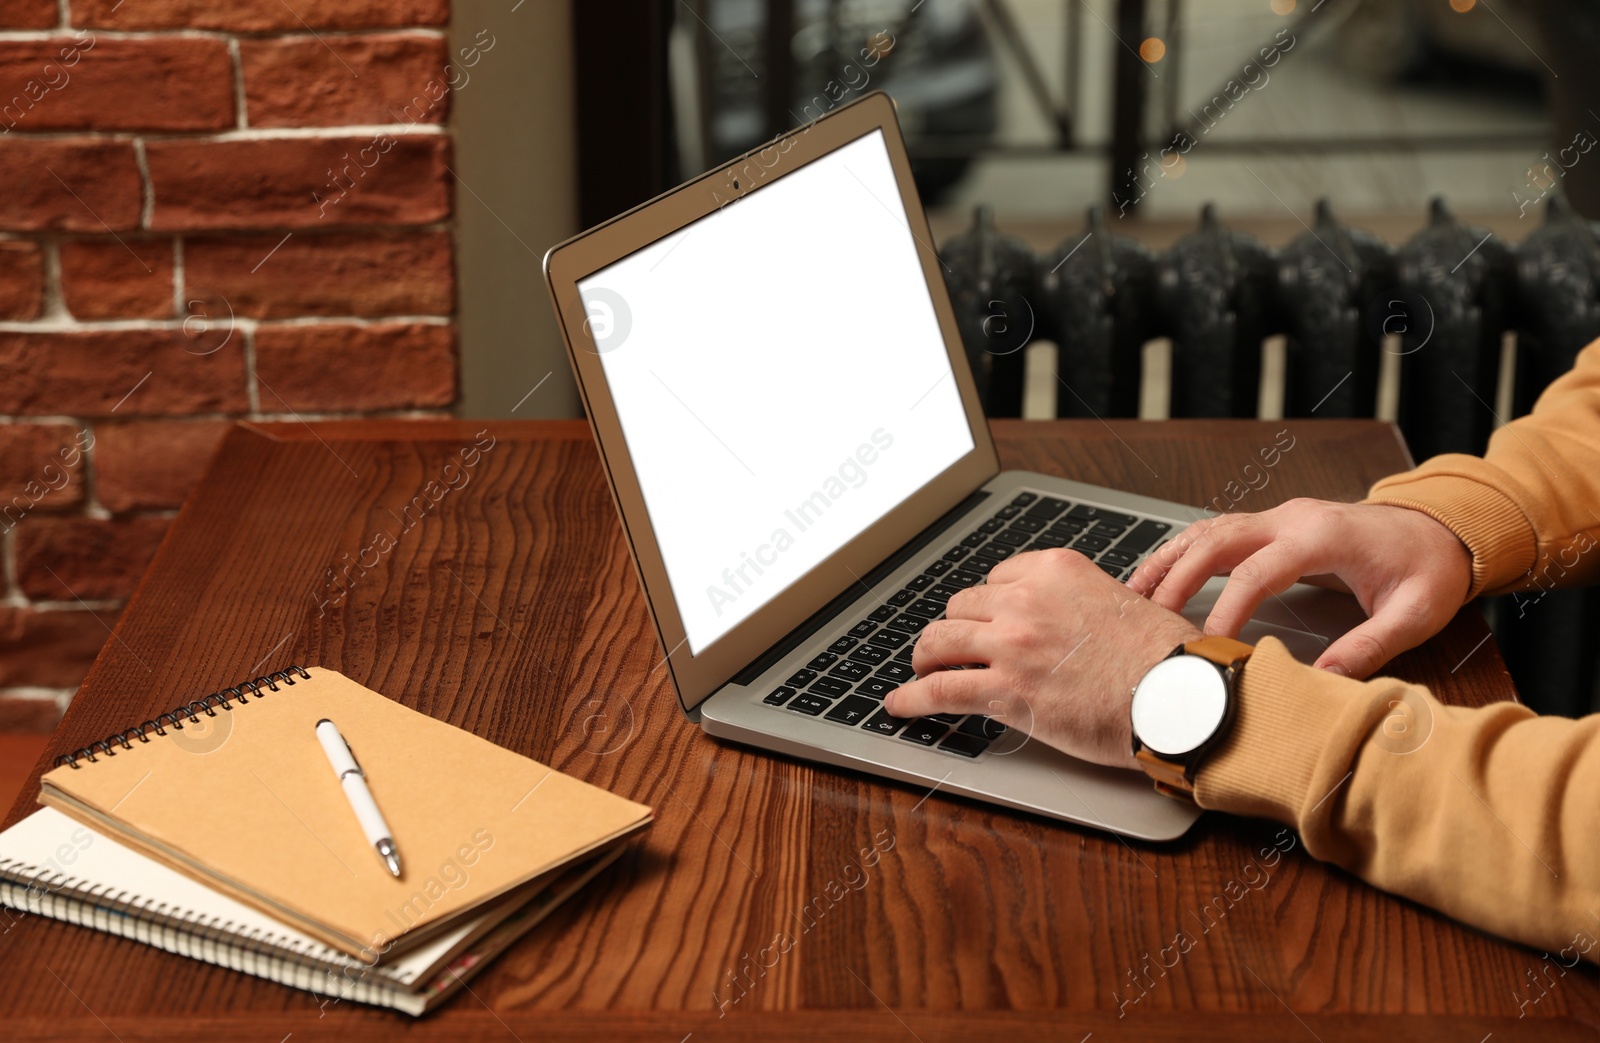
[[510, 607]]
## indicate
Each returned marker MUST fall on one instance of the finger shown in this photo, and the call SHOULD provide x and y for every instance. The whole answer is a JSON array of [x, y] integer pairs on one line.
[[947, 691], [1225, 547], [974, 603], [1272, 570], [951, 642], [1396, 627], [1149, 575]]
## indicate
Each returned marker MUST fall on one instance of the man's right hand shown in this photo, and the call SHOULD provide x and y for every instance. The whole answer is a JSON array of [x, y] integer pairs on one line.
[[1409, 572]]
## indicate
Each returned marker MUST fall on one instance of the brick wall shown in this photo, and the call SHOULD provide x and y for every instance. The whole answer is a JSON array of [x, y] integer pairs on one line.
[[209, 210]]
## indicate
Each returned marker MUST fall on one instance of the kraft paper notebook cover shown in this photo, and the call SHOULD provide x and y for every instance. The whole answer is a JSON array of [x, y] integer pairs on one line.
[[473, 821]]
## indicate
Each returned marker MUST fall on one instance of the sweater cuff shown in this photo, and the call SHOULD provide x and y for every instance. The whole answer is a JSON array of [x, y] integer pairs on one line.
[[1494, 528], [1284, 713]]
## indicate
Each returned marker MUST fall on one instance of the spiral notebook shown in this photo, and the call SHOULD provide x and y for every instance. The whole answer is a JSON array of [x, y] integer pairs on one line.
[[249, 805], [56, 867]]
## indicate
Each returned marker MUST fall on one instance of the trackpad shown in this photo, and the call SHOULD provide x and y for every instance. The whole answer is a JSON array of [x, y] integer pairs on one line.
[[1305, 618]]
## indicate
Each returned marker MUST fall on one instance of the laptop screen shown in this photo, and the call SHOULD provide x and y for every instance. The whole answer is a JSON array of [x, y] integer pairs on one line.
[[780, 378]]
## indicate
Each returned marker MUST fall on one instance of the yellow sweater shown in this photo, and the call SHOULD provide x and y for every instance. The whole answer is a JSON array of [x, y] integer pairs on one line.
[[1491, 815]]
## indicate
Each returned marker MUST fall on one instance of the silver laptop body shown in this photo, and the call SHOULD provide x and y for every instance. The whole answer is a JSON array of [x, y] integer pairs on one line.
[[785, 412]]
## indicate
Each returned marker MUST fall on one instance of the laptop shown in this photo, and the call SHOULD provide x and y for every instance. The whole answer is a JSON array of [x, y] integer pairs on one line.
[[772, 369]]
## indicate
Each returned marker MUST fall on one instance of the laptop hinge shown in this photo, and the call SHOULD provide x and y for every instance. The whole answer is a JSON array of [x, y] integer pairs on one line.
[[789, 642]]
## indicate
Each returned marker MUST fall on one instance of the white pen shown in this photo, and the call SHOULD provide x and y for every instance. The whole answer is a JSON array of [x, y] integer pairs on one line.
[[354, 783]]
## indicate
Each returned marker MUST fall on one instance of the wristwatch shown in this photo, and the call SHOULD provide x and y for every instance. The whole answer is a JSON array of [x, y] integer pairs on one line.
[[1183, 707]]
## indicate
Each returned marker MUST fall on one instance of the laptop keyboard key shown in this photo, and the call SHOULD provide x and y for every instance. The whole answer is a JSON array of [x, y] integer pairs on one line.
[[1027, 524], [924, 732], [992, 525], [996, 552], [945, 718], [1048, 507], [897, 672], [1114, 571], [881, 613], [876, 687], [1144, 536], [974, 540], [870, 654], [962, 578], [1011, 538], [941, 593], [853, 710], [843, 645], [905, 654], [802, 678], [1008, 512], [888, 638], [1084, 512], [1118, 556], [809, 704], [908, 624], [1023, 499], [1091, 544], [925, 607], [919, 582], [830, 686], [884, 724], [779, 696], [822, 660], [851, 670], [955, 553], [980, 565], [938, 568], [900, 597], [965, 745], [1045, 541], [982, 728], [863, 628]]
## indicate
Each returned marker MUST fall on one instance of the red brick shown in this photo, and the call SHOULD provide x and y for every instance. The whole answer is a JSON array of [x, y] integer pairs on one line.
[[340, 274], [300, 81], [41, 467], [50, 649], [339, 368], [80, 82], [60, 559], [27, 715], [148, 464], [92, 373], [300, 182], [29, 14], [107, 279], [258, 15], [68, 185], [21, 281]]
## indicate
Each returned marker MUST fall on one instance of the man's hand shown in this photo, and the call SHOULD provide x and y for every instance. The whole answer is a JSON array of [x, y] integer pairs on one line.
[[1409, 572], [1064, 644]]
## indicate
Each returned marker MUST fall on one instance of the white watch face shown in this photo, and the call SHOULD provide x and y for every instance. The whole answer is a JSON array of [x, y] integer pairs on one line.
[[1179, 705]]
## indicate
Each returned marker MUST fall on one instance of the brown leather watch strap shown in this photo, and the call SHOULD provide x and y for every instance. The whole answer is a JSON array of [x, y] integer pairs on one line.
[[1173, 777], [1224, 651]]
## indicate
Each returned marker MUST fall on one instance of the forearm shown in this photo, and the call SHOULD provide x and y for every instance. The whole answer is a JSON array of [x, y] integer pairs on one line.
[[1529, 510], [1485, 814]]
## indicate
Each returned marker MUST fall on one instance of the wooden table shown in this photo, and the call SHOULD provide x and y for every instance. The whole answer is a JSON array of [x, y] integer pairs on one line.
[[512, 609]]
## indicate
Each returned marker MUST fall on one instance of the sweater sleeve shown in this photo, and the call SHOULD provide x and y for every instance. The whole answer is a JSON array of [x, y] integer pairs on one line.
[[1486, 814], [1529, 509]]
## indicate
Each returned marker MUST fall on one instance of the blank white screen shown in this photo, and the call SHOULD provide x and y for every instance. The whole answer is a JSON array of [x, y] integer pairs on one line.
[[780, 379]]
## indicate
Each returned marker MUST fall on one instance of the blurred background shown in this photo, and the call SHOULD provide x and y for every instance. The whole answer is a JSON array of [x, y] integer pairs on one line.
[[1149, 208]]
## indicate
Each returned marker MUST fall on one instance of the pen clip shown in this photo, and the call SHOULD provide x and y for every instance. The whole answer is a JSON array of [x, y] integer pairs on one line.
[[359, 770]]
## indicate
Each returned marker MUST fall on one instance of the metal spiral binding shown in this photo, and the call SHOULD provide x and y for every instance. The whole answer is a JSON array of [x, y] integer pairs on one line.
[[174, 718]]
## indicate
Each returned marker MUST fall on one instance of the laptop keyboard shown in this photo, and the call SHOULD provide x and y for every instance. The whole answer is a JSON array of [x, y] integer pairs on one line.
[[847, 682]]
